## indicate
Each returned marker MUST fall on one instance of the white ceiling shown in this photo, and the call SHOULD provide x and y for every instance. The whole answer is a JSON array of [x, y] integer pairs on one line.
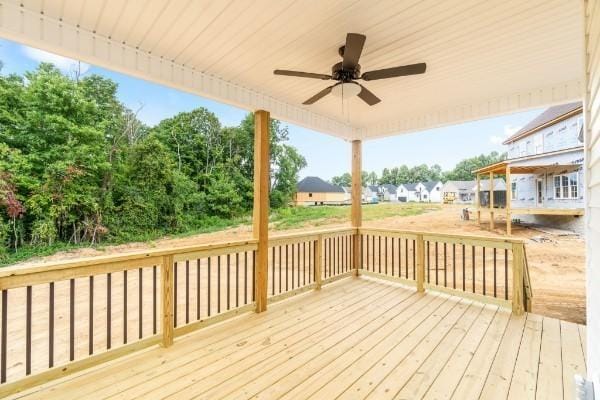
[[484, 57]]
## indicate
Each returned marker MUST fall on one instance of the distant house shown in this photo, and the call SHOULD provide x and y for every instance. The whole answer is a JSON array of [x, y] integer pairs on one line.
[[544, 163], [370, 194], [413, 192], [402, 193], [459, 192], [388, 192], [315, 191], [432, 192]]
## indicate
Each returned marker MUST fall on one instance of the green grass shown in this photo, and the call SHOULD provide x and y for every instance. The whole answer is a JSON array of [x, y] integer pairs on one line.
[[281, 219], [298, 217]]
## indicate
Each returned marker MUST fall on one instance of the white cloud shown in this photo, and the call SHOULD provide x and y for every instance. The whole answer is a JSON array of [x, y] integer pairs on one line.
[[509, 130], [66, 65]]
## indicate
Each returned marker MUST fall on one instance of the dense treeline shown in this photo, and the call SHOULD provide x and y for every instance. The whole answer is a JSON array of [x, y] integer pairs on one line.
[[77, 166], [463, 171]]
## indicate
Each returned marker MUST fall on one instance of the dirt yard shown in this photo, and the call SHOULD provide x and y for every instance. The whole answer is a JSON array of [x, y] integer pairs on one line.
[[557, 266]]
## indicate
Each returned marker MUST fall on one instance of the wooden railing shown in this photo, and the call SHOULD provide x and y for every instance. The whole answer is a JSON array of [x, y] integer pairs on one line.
[[486, 268], [59, 318]]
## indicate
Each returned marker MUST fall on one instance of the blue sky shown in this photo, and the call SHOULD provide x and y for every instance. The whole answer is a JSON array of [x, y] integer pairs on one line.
[[326, 156]]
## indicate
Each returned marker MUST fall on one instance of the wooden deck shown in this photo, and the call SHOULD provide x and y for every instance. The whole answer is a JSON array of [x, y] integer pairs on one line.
[[354, 339]]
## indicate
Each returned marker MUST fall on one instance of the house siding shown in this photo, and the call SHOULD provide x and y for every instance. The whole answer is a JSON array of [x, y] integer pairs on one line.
[[559, 136], [302, 198], [592, 162]]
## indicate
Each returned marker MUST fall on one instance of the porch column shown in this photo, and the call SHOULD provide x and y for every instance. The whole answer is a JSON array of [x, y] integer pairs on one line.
[[508, 201], [260, 215], [477, 199], [491, 200], [356, 212]]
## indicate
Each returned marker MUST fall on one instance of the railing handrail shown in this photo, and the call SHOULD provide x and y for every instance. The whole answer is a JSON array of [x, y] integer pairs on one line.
[[150, 255], [443, 235]]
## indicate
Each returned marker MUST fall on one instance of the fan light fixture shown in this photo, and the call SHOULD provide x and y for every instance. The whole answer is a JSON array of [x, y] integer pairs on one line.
[[345, 90], [347, 72]]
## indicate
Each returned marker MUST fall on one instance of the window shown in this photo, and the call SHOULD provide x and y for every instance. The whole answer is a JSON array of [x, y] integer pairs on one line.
[[310, 195], [513, 190], [522, 149], [538, 141], [565, 186]]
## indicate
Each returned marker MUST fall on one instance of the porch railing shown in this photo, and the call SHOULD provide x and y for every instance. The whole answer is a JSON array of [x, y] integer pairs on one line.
[[63, 317]]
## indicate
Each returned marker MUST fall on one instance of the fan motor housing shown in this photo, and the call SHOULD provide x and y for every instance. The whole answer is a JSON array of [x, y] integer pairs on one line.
[[344, 75]]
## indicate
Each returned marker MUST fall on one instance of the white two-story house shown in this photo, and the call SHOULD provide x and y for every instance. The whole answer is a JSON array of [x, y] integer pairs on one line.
[[544, 168]]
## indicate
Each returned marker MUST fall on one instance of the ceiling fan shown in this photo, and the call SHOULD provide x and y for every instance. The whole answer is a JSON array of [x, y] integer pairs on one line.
[[348, 71]]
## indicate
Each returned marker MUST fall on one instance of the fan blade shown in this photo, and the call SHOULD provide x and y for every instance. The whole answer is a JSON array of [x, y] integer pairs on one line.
[[301, 74], [353, 49], [318, 96], [412, 69], [367, 96]]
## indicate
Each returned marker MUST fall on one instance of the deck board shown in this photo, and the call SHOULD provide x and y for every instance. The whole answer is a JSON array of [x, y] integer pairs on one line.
[[355, 339]]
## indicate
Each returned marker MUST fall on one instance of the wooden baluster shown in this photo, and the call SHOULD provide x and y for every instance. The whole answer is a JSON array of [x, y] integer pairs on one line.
[[237, 279], [483, 255], [154, 301], [454, 265], [198, 289], [71, 319], [108, 311], [473, 266], [228, 281], [3, 344], [91, 318], [187, 291], [50, 326], [495, 291], [218, 285], [140, 302], [209, 279], [505, 274], [28, 332]]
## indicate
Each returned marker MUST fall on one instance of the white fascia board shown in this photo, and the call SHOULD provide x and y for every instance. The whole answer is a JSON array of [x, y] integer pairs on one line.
[[37, 30]]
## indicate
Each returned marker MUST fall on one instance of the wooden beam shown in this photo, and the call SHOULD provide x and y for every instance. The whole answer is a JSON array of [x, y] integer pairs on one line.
[[477, 199], [356, 212], [508, 201], [518, 265], [319, 261], [260, 226], [491, 200], [166, 277], [420, 243]]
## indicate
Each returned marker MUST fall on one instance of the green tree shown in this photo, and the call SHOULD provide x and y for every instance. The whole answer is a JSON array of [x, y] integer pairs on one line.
[[343, 180], [464, 169]]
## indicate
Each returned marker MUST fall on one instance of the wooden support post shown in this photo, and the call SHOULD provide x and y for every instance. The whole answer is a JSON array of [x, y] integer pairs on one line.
[[356, 212], [319, 262], [478, 199], [420, 263], [491, 200], [166, 278], [518, 265], [260, 226], [508, 201]]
